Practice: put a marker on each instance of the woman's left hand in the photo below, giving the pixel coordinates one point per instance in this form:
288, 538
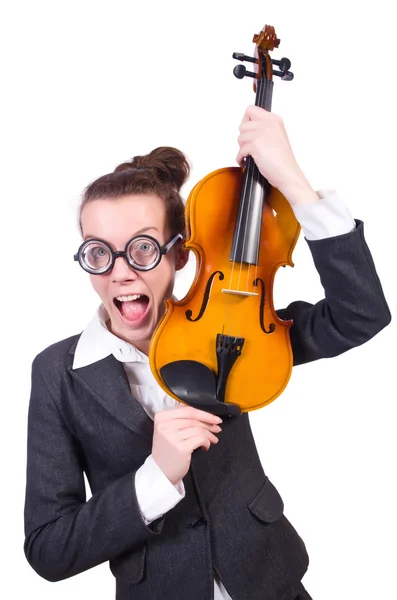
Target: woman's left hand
263, 136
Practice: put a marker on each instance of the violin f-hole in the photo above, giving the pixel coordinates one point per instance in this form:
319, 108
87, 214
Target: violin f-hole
206, 297
272, 326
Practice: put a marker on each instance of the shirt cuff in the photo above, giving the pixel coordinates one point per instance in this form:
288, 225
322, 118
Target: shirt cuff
155, 493
327, 217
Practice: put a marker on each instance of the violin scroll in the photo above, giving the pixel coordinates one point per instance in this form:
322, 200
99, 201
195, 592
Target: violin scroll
265, 42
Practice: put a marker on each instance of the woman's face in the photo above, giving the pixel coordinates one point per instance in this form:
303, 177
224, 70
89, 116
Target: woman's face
116, 221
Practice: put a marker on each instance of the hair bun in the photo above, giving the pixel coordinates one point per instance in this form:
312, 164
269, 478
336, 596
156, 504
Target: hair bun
169, 164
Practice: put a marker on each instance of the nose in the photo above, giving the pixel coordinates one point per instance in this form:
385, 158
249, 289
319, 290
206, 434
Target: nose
122, 271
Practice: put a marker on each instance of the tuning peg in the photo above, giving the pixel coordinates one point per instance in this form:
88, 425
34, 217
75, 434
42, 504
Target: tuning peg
244, 57
285, 75
284, 64
240, 72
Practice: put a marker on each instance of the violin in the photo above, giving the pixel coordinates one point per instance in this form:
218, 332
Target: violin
223, 348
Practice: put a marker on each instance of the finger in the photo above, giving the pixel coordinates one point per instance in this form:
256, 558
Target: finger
253, 113
190, 432
247, 138
194, 443
197, 442
242, 154
177, 424
187, 412
251, 126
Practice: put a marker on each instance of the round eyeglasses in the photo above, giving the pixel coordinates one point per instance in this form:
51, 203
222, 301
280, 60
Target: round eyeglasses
142, 252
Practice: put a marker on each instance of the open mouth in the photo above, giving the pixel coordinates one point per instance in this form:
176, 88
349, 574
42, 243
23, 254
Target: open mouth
132, 308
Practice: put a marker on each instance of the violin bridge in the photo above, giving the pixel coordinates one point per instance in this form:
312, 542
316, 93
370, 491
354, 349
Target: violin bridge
239, 292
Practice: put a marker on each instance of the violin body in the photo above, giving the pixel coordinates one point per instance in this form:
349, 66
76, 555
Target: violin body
264, 366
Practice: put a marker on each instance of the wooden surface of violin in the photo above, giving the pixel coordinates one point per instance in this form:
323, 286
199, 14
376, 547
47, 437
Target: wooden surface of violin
223, 348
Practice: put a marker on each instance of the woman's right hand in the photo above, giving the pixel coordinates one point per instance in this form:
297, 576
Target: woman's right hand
179, 431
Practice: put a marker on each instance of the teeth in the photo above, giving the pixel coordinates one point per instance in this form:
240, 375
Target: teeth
128, 298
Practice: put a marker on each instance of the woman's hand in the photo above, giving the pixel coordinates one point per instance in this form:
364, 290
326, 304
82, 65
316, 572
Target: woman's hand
263, 136
179, 431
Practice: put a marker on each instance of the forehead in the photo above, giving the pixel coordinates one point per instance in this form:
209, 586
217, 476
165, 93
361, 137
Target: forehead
117, 219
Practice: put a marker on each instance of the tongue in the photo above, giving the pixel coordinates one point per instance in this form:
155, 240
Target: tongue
134, 310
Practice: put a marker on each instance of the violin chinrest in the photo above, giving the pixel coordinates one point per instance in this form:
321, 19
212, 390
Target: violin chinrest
195, 384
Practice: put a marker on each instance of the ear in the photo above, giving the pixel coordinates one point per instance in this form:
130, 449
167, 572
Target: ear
182, 257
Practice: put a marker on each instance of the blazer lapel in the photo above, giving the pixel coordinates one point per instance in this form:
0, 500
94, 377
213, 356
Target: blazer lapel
107, 381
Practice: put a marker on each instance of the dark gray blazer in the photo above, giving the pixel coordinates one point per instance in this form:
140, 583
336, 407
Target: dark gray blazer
231, 519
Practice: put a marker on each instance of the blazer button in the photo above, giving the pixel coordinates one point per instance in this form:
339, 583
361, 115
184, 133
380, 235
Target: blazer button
202, 522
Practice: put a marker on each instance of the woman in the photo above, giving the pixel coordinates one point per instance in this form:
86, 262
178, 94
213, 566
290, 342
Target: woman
175, 523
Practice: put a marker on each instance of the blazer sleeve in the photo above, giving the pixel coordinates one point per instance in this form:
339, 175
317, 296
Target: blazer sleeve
354, 308
64, 533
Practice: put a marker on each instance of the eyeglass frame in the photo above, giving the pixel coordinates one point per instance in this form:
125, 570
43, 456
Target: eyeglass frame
162, 251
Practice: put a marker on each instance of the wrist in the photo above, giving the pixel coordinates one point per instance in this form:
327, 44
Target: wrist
172, 479
298, 191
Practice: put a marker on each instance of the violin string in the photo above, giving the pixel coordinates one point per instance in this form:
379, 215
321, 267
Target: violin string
244, 305
244, 191
227, 302
262, 102
249, 176
261, 98
249, 180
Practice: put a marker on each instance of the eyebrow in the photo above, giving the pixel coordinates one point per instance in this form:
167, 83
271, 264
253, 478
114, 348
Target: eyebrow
88, 236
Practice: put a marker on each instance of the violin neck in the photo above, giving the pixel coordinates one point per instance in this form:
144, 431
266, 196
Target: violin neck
246, 239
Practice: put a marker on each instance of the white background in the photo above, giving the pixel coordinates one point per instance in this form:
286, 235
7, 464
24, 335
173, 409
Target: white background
86, 85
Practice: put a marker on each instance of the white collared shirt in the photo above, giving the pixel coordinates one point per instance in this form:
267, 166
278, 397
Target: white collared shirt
326, 218
97, 342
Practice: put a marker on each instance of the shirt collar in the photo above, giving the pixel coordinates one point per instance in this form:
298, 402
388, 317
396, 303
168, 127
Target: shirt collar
97, 342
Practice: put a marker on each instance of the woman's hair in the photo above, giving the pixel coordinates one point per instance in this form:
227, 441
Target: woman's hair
162, 172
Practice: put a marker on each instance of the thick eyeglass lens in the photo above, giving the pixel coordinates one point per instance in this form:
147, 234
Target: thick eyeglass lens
143, 252
96, 256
